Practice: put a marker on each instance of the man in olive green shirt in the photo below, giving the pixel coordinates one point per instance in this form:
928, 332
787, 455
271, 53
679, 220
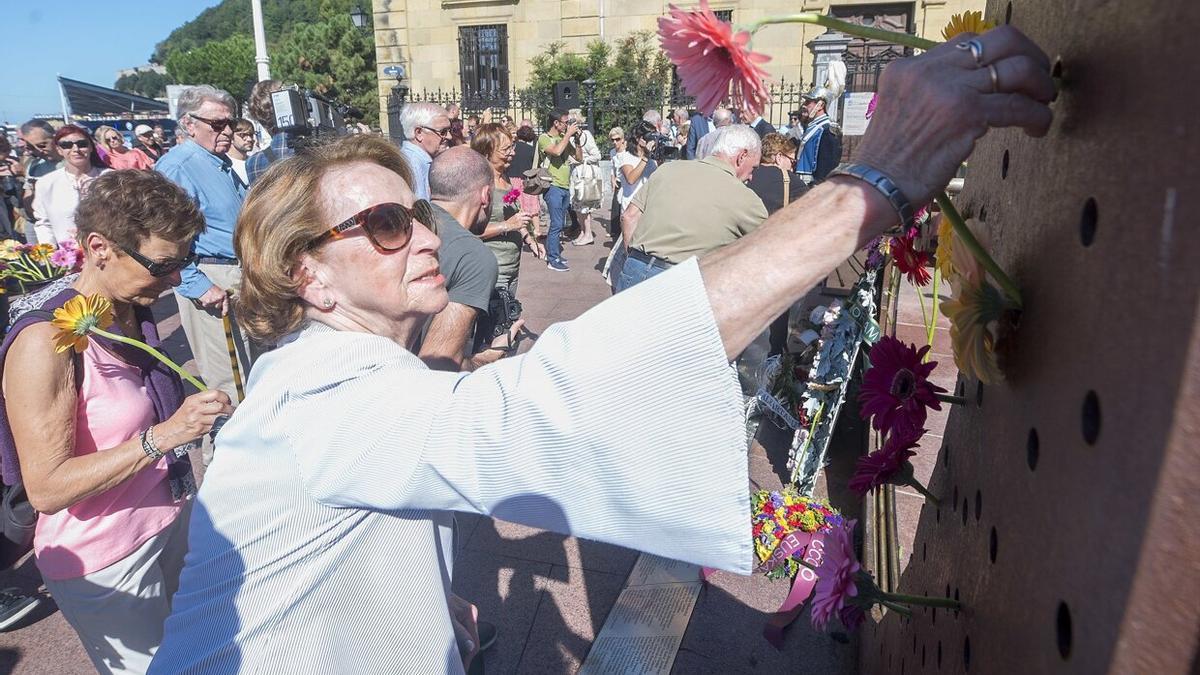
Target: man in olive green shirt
558, 145
687, 209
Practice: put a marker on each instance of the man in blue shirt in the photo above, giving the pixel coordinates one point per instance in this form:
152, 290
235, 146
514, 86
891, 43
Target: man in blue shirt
426, 133
200, 167
821, 144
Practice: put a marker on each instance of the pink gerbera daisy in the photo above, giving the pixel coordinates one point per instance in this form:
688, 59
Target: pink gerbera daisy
883, 465
709, 56
835, 577
896, 390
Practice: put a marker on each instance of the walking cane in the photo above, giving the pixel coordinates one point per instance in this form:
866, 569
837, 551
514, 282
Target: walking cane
233, 357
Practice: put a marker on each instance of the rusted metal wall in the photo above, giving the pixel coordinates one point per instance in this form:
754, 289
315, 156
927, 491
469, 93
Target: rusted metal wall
1070, 519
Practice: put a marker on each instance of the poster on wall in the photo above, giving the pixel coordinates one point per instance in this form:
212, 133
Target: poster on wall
854, 115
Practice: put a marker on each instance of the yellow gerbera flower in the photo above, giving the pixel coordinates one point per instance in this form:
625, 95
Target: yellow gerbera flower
975, 312
967, 22
945, 263
77, 317
41, 252
10, 249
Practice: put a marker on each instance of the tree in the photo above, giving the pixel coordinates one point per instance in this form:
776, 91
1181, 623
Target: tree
146, 83
632, 76
226, 64
334, 59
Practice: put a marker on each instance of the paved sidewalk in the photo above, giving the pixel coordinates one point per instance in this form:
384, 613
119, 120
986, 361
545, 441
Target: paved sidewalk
548, 594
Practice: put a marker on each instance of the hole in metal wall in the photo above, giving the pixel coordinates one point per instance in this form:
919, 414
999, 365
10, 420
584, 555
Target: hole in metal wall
1031, 449
956, 600
954, 502
914, 644
964, 511
1008, 13
937, 514
993, 544
979, 394
946, 456
1087, 221
922, 656
959, 387
1091, 418
939, 655
1004, 166
978, 504
1063, 630
967, 653
1057, 70
924, 551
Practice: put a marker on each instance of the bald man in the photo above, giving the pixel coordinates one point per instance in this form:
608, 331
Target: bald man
460, 182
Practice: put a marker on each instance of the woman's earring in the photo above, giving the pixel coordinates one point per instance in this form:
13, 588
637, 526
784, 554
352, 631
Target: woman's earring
327, 303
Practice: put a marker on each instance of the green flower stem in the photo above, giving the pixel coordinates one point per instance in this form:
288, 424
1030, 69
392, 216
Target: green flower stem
919, 600
924, 316
899, 609
962, 235
152, 352
937, 277
916, 485
856, 30
951, 399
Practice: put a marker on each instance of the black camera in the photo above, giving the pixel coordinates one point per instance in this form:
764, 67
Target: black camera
306, 113
663, 150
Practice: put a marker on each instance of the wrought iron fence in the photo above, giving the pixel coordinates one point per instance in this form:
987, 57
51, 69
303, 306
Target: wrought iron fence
619, 107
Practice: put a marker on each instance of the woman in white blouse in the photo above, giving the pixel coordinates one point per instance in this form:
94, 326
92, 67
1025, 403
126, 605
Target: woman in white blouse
59, 191
319, 539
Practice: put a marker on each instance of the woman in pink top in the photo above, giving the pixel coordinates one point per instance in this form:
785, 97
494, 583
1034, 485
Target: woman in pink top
112, 143
101, 437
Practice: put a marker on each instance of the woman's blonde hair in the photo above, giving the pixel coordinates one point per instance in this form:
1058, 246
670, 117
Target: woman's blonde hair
775, 144
487, 139
281, 218
101, 131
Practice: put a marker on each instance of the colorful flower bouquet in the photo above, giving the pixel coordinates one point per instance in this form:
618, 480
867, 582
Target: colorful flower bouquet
777, 514
35, 264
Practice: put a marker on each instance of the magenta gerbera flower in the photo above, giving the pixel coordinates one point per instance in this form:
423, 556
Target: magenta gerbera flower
709, 56
883, 465
896, 390
835, 577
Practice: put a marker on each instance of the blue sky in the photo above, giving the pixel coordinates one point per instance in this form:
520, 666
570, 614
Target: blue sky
80, 39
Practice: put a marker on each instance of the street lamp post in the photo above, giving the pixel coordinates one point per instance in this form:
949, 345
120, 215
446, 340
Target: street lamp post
589, 86
358, 17
260, 42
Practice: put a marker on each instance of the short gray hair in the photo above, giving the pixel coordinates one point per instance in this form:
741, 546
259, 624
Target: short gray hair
419, 114
722, 117
457, 173
730, 140
193, 97
653, 117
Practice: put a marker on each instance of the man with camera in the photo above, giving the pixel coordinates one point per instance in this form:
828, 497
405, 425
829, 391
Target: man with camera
556, 147
661, 230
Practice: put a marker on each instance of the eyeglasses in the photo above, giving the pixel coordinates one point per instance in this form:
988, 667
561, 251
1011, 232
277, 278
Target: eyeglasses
217, 125
160, 269
444, 133
67, 145
388, 225
110, 139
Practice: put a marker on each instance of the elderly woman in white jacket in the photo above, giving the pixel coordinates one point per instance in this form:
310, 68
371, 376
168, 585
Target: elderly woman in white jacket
317, 542
587, 182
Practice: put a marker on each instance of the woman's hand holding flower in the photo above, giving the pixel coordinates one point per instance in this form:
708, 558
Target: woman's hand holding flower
194, 418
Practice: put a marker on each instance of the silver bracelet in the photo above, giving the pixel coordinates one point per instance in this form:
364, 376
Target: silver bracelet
148, 445
881, 182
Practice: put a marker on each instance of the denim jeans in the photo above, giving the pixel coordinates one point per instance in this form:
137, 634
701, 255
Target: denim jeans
557, 201
634, 271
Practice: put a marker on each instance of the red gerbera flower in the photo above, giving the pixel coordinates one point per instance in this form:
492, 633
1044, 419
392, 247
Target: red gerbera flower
896, 389
883, 465
710, 56
910, 261
835, 577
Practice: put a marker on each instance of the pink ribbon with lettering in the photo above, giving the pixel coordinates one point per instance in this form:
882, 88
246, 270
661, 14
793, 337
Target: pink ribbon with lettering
811, 549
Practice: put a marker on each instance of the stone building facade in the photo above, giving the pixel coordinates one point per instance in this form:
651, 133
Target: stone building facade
472, 44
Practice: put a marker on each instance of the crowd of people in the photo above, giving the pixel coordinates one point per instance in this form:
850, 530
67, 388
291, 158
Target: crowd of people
369, 294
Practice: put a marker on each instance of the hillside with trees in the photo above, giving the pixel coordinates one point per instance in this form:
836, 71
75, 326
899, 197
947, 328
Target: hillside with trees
311, 43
